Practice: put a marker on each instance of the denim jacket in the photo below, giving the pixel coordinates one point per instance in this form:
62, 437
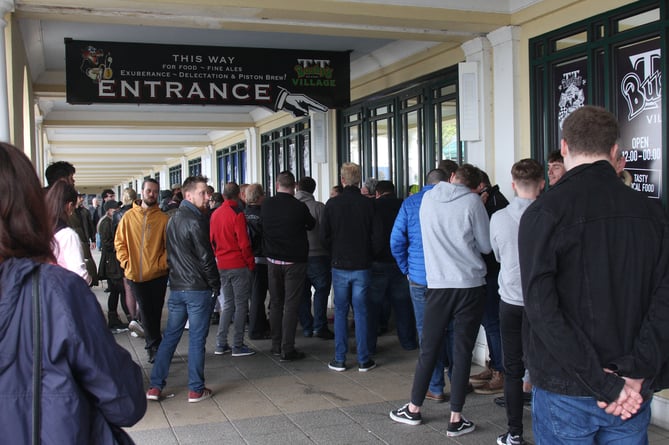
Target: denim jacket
594, 260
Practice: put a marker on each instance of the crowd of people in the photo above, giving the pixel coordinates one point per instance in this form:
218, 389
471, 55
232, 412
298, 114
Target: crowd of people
542, 274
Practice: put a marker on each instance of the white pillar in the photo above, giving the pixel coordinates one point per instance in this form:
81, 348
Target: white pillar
6, 6
479, 150
164, 178
506, 98
207, 163
254, 160
323, 152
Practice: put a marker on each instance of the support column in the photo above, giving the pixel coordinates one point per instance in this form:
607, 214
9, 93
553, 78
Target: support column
6, 6
505, 43
479, 147
254, 160
207, 164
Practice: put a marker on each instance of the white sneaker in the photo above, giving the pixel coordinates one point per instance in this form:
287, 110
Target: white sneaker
136, 328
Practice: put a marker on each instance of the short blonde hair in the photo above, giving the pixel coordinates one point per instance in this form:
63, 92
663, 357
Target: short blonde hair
129, 196
350, 174
253, 193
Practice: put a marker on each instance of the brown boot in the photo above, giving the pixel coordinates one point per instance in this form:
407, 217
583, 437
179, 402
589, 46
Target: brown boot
493, 386
482, 377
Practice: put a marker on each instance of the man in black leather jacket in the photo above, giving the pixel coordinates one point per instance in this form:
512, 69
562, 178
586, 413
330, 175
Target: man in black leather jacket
194, 286
594, 261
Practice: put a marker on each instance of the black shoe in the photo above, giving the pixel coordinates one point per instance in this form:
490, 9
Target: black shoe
509, 439
106, 291
367, 366
215, 318
152, 355
403, 415
336, 365
325, 334
308, 333
292, 356
455, 429
500, 401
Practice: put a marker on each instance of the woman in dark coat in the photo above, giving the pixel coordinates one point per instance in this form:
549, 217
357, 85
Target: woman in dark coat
90, 387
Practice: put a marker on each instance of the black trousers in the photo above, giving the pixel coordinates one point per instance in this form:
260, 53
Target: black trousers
286, 289
464, 307
116, 293
150, 296
511, 324
258, 323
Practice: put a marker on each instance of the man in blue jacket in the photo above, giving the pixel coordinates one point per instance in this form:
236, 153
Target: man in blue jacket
594, 256
406, 245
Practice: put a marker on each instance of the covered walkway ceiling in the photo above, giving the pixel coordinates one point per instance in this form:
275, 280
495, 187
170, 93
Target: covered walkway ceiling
112, 144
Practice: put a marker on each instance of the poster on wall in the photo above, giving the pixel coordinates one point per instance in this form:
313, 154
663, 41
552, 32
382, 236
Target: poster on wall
296, 81
569, 88
639, 81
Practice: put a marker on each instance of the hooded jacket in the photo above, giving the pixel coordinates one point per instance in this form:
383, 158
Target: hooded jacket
229, 237
313, 235
140, 243
406, 242
88, 380
504, 240
455, 228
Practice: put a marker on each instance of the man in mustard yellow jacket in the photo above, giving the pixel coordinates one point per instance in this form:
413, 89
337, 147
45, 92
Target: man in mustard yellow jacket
141, 250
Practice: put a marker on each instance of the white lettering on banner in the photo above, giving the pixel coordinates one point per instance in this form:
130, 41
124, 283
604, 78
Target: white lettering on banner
307, 62
643, 94
221, 59
185, 58
177, 90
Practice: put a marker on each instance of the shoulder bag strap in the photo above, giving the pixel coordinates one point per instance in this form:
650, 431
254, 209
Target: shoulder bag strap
37, 358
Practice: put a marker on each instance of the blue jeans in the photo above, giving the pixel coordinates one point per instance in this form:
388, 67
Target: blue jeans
437, 382
196, 307
389, 283
320, 277
558, 419
351, 288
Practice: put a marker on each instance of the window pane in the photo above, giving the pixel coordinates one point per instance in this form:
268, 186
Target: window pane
278, 158
354, 144
414, 147
381, 159
305, 152
292, 157
412, 101
449, 131
242, 166
573, 40
639, 20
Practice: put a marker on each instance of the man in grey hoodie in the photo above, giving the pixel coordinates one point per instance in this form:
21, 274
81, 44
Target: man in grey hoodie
319, 272
527, 181
455, 231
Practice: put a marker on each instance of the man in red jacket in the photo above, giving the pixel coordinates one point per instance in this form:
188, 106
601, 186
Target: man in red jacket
234, 257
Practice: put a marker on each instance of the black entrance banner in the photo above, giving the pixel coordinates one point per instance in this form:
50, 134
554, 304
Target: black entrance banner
296, 81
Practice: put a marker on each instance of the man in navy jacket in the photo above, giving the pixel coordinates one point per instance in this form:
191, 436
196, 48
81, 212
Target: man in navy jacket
594, 261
